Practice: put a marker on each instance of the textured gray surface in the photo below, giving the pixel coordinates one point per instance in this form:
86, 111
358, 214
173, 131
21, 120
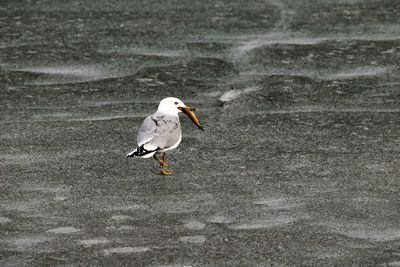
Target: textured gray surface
299, 163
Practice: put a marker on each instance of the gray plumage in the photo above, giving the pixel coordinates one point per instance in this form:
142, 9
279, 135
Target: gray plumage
159, 132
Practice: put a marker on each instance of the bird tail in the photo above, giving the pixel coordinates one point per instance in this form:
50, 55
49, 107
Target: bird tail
141, 152
132, 154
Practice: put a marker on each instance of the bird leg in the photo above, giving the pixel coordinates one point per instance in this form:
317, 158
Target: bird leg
163, 164
161, 161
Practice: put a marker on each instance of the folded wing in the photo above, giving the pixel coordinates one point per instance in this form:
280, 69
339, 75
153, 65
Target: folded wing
157, 131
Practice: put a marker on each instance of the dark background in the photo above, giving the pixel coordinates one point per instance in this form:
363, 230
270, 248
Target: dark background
298, 164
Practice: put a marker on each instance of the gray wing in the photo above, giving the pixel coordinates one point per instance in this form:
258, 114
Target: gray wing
159, 131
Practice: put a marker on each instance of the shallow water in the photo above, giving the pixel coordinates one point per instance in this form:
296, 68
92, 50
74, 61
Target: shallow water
298, 164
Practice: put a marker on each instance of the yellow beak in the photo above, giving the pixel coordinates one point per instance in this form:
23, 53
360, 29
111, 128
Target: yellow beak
190, 113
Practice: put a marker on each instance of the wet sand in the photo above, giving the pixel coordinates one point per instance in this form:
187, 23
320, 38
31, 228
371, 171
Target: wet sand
298, 164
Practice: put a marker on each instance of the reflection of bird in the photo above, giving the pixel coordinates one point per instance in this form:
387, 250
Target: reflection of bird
161, 131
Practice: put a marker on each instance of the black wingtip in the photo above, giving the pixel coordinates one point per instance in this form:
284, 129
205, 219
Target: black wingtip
131, 155
140, 152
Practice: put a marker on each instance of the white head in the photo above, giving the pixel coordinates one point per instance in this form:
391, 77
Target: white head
171, 105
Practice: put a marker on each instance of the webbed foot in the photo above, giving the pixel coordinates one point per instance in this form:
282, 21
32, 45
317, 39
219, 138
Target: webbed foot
165, 172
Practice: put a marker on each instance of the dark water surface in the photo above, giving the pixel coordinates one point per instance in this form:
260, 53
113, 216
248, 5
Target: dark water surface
299, 163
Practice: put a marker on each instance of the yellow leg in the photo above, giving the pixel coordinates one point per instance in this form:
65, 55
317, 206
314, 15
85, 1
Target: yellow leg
163, 164
161, 161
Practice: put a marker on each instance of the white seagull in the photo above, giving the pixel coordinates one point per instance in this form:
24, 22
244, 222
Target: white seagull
161, 131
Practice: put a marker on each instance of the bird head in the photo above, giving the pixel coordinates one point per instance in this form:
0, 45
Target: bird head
173, 106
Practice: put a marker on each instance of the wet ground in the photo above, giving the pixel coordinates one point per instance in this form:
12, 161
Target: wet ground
299, 163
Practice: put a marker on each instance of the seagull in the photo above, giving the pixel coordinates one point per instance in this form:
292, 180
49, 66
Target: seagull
161, 131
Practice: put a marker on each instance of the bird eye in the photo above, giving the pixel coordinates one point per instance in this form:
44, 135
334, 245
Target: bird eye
176, 103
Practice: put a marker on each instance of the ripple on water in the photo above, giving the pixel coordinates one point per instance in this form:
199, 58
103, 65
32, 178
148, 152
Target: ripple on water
121, 228
274, 39
127, 207
374, 234
268, 223
147, 51
377, 232
355, 72
60, 193
220, 219
4, 220
194, 225
249, 42
93, 242
27, 242
121, 217
31, 206
63, 230
195, 239
233, 94
62, 74
126, 250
